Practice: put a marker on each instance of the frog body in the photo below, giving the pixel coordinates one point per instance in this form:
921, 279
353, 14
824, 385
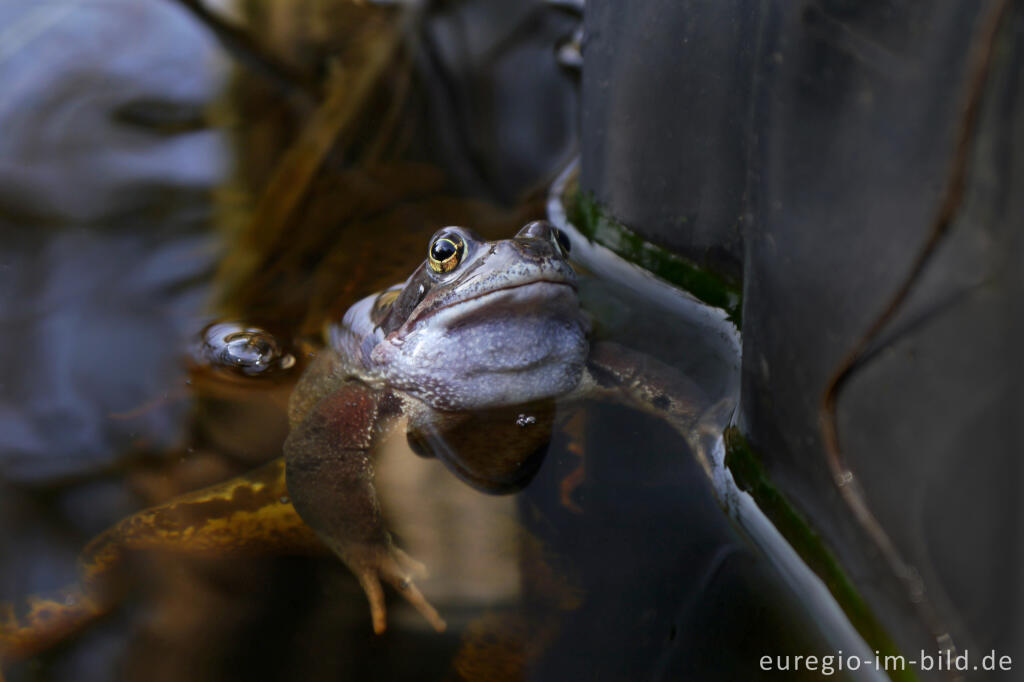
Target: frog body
480, 331
478, 327
471, 352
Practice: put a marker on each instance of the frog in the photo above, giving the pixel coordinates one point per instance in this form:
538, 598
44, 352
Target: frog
472, 353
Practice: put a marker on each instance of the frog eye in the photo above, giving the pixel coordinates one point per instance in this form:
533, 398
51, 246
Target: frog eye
562, 240
447, 249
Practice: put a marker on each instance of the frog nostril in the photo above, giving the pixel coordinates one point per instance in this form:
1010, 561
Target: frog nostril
538, 229
543, 232
532, 248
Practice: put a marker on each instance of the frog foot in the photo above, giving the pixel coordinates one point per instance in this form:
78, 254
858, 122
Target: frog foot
373, 563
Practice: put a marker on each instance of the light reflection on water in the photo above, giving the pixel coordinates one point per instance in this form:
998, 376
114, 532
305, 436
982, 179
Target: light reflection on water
106, 243
105, 261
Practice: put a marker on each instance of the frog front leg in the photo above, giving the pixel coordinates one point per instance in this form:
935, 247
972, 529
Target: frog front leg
652, 386
330, 481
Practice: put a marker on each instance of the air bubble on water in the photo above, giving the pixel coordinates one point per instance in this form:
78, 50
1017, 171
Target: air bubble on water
525, 420
243, 349
248, 349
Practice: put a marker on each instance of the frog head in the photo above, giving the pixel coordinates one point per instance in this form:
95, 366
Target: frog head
479, 324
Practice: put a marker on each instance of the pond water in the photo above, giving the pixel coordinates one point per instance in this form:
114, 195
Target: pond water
134, 211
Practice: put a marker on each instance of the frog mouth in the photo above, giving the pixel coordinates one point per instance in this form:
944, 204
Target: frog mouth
552, 297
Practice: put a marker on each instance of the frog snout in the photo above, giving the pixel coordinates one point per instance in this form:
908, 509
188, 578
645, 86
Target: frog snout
532, 249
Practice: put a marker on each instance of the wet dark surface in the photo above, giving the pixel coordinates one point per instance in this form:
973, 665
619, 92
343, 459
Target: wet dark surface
845, 213
672, 162
671, 590
859, 160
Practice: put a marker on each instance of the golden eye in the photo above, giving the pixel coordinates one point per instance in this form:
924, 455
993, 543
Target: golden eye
446, 252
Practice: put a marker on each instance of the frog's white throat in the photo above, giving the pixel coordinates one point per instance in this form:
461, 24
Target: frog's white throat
507, 347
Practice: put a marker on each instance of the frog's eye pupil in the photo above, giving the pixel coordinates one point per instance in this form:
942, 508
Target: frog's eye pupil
443, 250
446, 252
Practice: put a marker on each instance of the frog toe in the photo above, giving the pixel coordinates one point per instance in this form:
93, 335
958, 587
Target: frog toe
375, 594
417, 569
395, 567
407, 588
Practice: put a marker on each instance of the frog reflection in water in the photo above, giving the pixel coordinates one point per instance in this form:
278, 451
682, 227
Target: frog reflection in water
471, 350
